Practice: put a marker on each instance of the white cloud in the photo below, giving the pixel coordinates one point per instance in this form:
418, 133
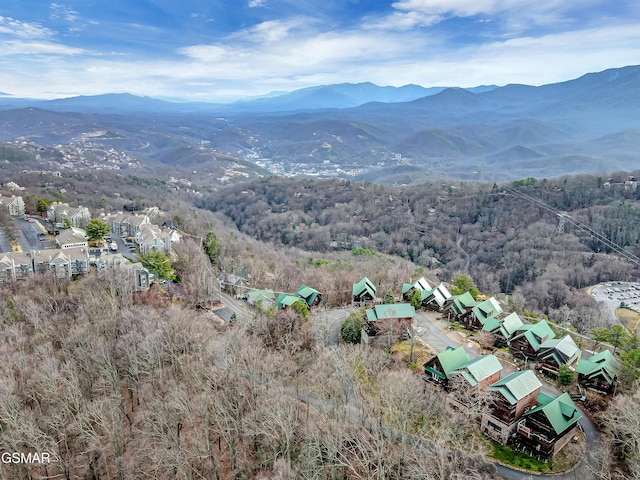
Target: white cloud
269, 31
292, 53
515, 15
403, 21
16, 28
13, 47
64, 12
205, 53
257, 3
463, 8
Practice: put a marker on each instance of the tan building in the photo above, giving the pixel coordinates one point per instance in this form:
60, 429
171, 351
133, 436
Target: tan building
62, 263
117, 264
59, 213
14, 203
72, 238
15, 266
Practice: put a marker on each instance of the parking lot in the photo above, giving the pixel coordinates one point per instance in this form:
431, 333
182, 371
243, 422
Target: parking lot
33, 234
5, 246
613, 294
127, 249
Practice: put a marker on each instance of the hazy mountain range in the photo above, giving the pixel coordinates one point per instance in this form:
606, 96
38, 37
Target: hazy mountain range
383, 134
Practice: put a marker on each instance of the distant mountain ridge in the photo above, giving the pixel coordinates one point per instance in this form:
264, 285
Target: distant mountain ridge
385, 134
338, 96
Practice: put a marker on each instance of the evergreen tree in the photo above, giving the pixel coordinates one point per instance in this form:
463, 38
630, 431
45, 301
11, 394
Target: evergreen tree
565, 375
158, 264
351, 329
389, 297
416, 299
97, 229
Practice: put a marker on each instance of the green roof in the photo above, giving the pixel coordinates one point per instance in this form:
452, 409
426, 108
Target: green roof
535, 333
562, 350
439, 294
561, 412
491, 324
420, 284
510, 324
285, 300
256, 295
487, 309
452, 358
364, 285
517, 385
479, 368
603, 363
307, 293
390, 310
462, 302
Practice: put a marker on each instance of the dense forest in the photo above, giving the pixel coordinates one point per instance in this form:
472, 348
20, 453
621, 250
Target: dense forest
119, 385
506, 243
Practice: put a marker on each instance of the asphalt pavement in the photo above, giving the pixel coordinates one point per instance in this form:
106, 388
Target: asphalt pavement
425, 325
123, 249
5, 245
326, 323
233, 305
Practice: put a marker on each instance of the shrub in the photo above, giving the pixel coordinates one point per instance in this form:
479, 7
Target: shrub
351, 329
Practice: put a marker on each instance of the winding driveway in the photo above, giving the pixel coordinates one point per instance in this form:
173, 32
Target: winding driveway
429, 331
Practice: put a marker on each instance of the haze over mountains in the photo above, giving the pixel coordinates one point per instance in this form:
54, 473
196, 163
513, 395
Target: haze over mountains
381, 134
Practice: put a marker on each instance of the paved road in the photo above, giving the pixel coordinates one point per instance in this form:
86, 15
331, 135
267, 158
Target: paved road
28, 238
238, 307
425, 326
5, 245
326, 324
123, 249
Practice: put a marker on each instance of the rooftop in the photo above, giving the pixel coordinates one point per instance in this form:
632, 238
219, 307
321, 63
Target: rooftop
479, 368
517, 385
561, 412
390, 310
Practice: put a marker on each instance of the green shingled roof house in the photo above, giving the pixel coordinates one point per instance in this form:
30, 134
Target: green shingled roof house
512, 396
599, 371
284, 300
408, 288
481, 372
435, 298
392, 318
502, 328
459, 305
528, 338
556, 352
265, 297
363, 292
439, 368
480, 313
467, 382
546, 428
309, 295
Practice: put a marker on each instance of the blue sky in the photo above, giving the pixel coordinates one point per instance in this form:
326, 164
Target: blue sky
224, 49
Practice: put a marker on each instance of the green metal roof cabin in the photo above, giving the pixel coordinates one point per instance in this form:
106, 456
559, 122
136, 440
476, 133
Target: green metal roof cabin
311, 296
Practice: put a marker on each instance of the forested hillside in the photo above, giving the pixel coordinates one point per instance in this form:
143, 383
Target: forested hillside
506, 243
116, 385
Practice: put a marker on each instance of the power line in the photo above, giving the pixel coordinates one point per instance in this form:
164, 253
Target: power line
565, 217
